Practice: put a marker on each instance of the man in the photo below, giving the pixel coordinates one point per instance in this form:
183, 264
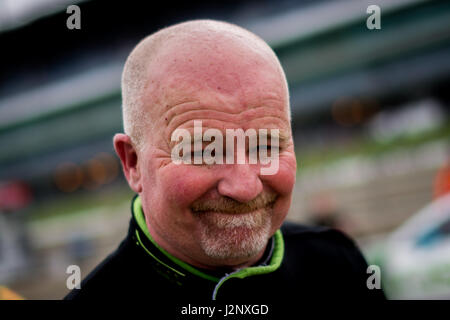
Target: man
202, 230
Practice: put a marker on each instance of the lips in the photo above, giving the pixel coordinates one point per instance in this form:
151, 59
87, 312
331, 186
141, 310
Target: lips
224, 220
227, 204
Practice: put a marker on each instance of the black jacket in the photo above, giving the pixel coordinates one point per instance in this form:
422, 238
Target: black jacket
318, 263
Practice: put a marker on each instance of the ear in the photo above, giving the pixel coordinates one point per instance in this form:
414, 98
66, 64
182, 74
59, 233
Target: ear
129, 159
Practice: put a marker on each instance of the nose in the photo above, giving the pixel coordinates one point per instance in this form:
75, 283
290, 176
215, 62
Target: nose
241, 182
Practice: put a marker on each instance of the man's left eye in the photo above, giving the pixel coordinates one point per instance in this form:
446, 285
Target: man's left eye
259, 147
267, 148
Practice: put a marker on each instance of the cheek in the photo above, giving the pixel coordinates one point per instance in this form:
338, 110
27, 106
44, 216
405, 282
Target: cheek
283, 181
283, 184
184, 184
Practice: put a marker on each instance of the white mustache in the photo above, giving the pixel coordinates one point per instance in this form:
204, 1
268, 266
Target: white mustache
228, 205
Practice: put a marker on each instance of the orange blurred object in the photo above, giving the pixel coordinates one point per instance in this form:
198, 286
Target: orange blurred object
442, 181
7, 294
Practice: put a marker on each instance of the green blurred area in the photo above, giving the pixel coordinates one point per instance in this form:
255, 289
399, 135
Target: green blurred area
370, 148
81, 203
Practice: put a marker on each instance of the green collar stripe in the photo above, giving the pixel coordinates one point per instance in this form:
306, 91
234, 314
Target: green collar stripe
140, 218
275, 262
154, 257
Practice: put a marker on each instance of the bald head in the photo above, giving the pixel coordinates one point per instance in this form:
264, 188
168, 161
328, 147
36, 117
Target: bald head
194, 55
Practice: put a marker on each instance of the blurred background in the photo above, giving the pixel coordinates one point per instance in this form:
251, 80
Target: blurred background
370, 118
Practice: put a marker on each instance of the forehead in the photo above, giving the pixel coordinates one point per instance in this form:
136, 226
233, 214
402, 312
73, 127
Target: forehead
226, 64
224, 78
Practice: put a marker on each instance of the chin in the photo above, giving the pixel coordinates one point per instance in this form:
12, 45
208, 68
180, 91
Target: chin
235, 244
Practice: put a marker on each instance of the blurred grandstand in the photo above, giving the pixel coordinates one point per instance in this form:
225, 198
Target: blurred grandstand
370, 118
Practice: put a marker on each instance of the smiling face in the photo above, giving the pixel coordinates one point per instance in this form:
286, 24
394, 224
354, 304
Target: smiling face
218, 215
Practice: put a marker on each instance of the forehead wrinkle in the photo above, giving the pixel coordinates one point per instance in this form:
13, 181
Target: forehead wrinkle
219, 102
174, 113
173, 119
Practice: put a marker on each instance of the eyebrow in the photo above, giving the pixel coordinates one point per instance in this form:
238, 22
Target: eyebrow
282, 135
